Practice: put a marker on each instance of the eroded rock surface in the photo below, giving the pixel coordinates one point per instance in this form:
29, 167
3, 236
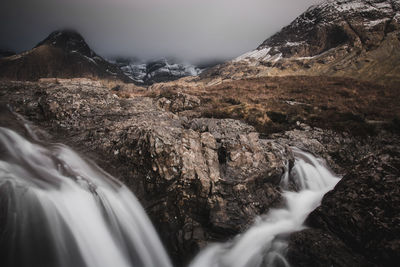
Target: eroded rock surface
199, 179
358, 220
206, 179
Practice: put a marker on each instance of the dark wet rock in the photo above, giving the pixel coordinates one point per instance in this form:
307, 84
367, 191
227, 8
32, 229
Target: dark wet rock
364, 208
360, 217
313, 247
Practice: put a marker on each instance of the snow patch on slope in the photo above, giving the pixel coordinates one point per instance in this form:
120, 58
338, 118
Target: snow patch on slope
157, 70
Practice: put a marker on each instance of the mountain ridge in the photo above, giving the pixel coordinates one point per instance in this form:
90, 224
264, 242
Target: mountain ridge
155, 71
350, 38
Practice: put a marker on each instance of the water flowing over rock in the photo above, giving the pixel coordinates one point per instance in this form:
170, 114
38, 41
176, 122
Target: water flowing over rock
205, 180
264, 243
200, 179
364, 208
57, 209
358, 220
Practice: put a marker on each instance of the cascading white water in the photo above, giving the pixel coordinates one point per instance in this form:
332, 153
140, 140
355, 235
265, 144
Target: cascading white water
57, 209
264, 243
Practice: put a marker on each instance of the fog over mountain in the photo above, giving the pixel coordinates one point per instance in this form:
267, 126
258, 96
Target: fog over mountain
191, 30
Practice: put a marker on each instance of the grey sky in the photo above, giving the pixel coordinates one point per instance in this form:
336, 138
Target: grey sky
193, 30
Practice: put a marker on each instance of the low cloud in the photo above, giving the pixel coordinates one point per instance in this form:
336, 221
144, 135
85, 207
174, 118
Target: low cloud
191, 30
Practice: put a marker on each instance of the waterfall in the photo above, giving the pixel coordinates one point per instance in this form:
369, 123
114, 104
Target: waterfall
60, 210
264, 243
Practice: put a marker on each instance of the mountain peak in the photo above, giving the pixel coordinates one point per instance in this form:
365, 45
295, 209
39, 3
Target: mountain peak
69, 40
63, 54
352, 38
330, 24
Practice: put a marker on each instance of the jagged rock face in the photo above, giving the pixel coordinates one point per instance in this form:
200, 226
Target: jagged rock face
157, 71
63, 54
351, 38
358, 220
203, 179
200, 179
333, 23
313, 247
364, 208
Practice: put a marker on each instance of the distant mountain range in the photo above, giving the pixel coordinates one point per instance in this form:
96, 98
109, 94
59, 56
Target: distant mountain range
161, 70
349, 38
65, 54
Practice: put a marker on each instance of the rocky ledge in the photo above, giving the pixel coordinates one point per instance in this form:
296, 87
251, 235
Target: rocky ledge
206, 179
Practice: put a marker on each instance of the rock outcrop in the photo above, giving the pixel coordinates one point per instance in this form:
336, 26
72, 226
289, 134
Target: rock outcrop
364, 208
200, 179
206, 179
359, 219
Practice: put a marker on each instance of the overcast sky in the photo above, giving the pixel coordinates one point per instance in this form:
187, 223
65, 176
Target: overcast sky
192, 30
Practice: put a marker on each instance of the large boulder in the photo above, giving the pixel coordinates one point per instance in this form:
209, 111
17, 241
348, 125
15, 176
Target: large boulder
358, 222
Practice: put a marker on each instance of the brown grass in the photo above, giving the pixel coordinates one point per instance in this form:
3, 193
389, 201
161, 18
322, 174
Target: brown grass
274, 104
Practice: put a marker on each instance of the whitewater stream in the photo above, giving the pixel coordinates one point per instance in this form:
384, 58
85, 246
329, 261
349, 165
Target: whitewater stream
265, 242
60, 210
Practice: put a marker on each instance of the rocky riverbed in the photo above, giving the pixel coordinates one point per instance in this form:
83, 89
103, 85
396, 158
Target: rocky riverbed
204, 179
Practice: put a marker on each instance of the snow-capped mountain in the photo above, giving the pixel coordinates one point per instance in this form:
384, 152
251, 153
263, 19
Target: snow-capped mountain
63, 54
328, 25
352, 38
156, 71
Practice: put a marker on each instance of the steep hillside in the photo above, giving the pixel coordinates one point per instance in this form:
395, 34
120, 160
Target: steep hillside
352, 38
6, 53
63, 54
